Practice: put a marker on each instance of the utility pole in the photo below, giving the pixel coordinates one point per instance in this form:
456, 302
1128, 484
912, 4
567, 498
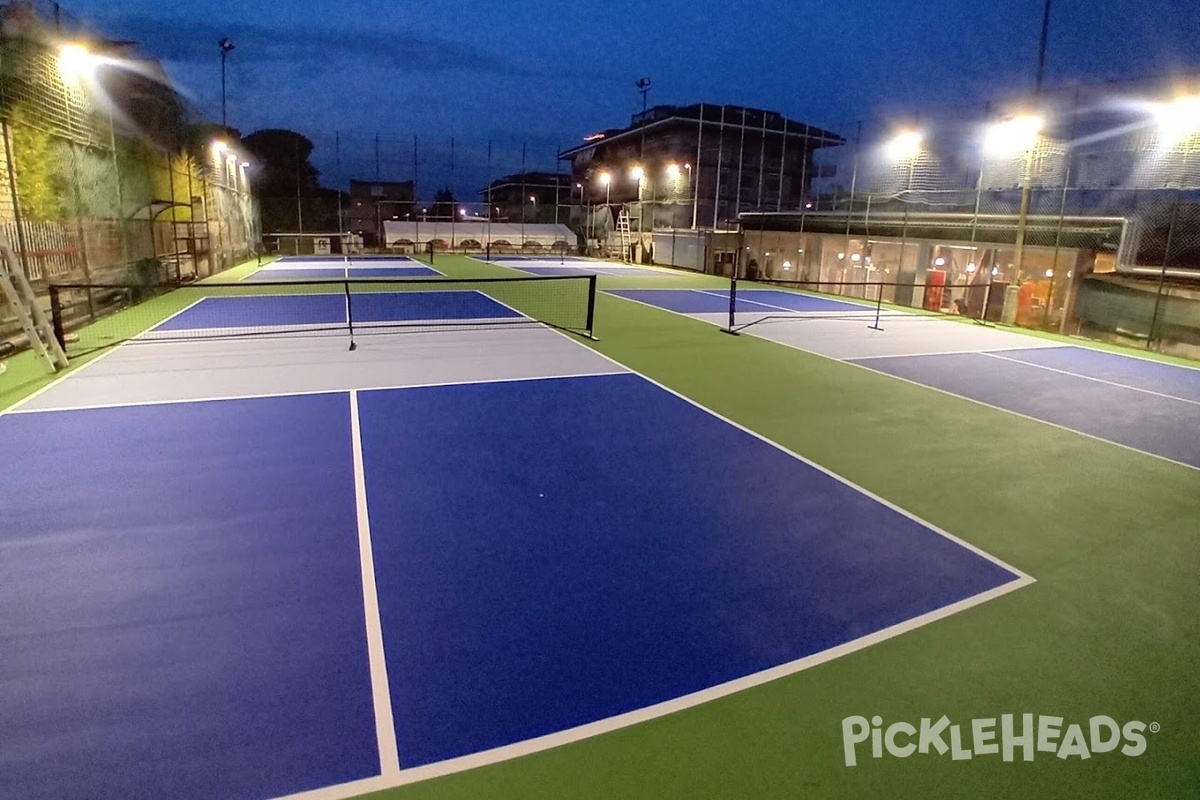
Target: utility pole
1041, 56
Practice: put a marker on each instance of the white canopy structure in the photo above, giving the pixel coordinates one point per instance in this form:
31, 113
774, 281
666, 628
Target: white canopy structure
477, 235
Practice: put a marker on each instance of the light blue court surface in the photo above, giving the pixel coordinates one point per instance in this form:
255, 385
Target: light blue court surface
358, 258
547, 553
330, 309
749, 301
552, 265
340, 273
1146, 405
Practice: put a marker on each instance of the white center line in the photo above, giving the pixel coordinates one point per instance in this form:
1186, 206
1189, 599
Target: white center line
385, 726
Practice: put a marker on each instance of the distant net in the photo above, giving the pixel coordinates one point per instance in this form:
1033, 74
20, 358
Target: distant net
876, 302
93, 316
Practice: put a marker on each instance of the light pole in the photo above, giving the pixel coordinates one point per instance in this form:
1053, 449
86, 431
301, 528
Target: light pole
1178, 130
606, 179
227, 47
694, 192
639, 174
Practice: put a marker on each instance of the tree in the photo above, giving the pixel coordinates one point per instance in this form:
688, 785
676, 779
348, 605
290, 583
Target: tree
281, 166
444, 203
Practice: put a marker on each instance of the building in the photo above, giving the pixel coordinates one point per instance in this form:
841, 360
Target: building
699, 166
539, 197
373, 202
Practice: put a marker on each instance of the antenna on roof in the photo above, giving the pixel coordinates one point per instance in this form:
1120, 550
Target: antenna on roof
643, 86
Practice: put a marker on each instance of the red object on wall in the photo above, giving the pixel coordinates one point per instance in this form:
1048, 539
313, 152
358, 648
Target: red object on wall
935, 284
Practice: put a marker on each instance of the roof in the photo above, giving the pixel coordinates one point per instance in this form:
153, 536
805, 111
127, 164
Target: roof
755, 119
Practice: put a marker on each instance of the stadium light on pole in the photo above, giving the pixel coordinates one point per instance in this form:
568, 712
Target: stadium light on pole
1178, 128
227, 47
1011, 137
606, 179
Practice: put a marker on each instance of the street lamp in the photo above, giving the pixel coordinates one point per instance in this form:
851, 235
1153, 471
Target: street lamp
606, 179
227, 47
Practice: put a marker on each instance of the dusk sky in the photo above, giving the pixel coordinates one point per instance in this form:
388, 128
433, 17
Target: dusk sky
548, 73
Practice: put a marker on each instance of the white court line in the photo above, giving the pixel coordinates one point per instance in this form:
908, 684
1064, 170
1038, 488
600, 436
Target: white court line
385, 724
14, 408
927, 386
312, 392
1091, 378
560, 738
1047, 346
592, 729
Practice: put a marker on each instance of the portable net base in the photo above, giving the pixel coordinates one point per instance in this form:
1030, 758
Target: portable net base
88, 317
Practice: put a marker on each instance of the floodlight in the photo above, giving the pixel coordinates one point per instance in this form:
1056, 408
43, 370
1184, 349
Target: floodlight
1177, 120
637, 173
905, 145
1013, 136
605, 178
74, 61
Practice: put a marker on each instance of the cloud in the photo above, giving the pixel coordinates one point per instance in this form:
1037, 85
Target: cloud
195, 41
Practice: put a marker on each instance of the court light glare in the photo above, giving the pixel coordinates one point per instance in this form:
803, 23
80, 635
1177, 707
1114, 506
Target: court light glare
75, 61
637, 173
971, 266
219, 147
1177, 120
672, 171
905, 145
1013, 136
1049, 273
605, 178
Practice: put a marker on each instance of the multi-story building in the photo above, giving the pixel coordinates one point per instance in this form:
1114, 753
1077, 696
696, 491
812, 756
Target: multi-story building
530, 197
699, 165
373, 202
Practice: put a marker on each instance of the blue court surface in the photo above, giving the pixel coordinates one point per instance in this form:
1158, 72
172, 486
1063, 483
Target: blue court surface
1149, 406
752, 301
552, 265
294, 310
188, 617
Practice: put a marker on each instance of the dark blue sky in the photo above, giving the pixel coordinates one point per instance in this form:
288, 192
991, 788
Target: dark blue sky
549, 72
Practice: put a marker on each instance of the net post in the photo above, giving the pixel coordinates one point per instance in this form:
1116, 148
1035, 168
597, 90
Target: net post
732, 306
56, 316
591, 306
488, 257
349, 315
878, 309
